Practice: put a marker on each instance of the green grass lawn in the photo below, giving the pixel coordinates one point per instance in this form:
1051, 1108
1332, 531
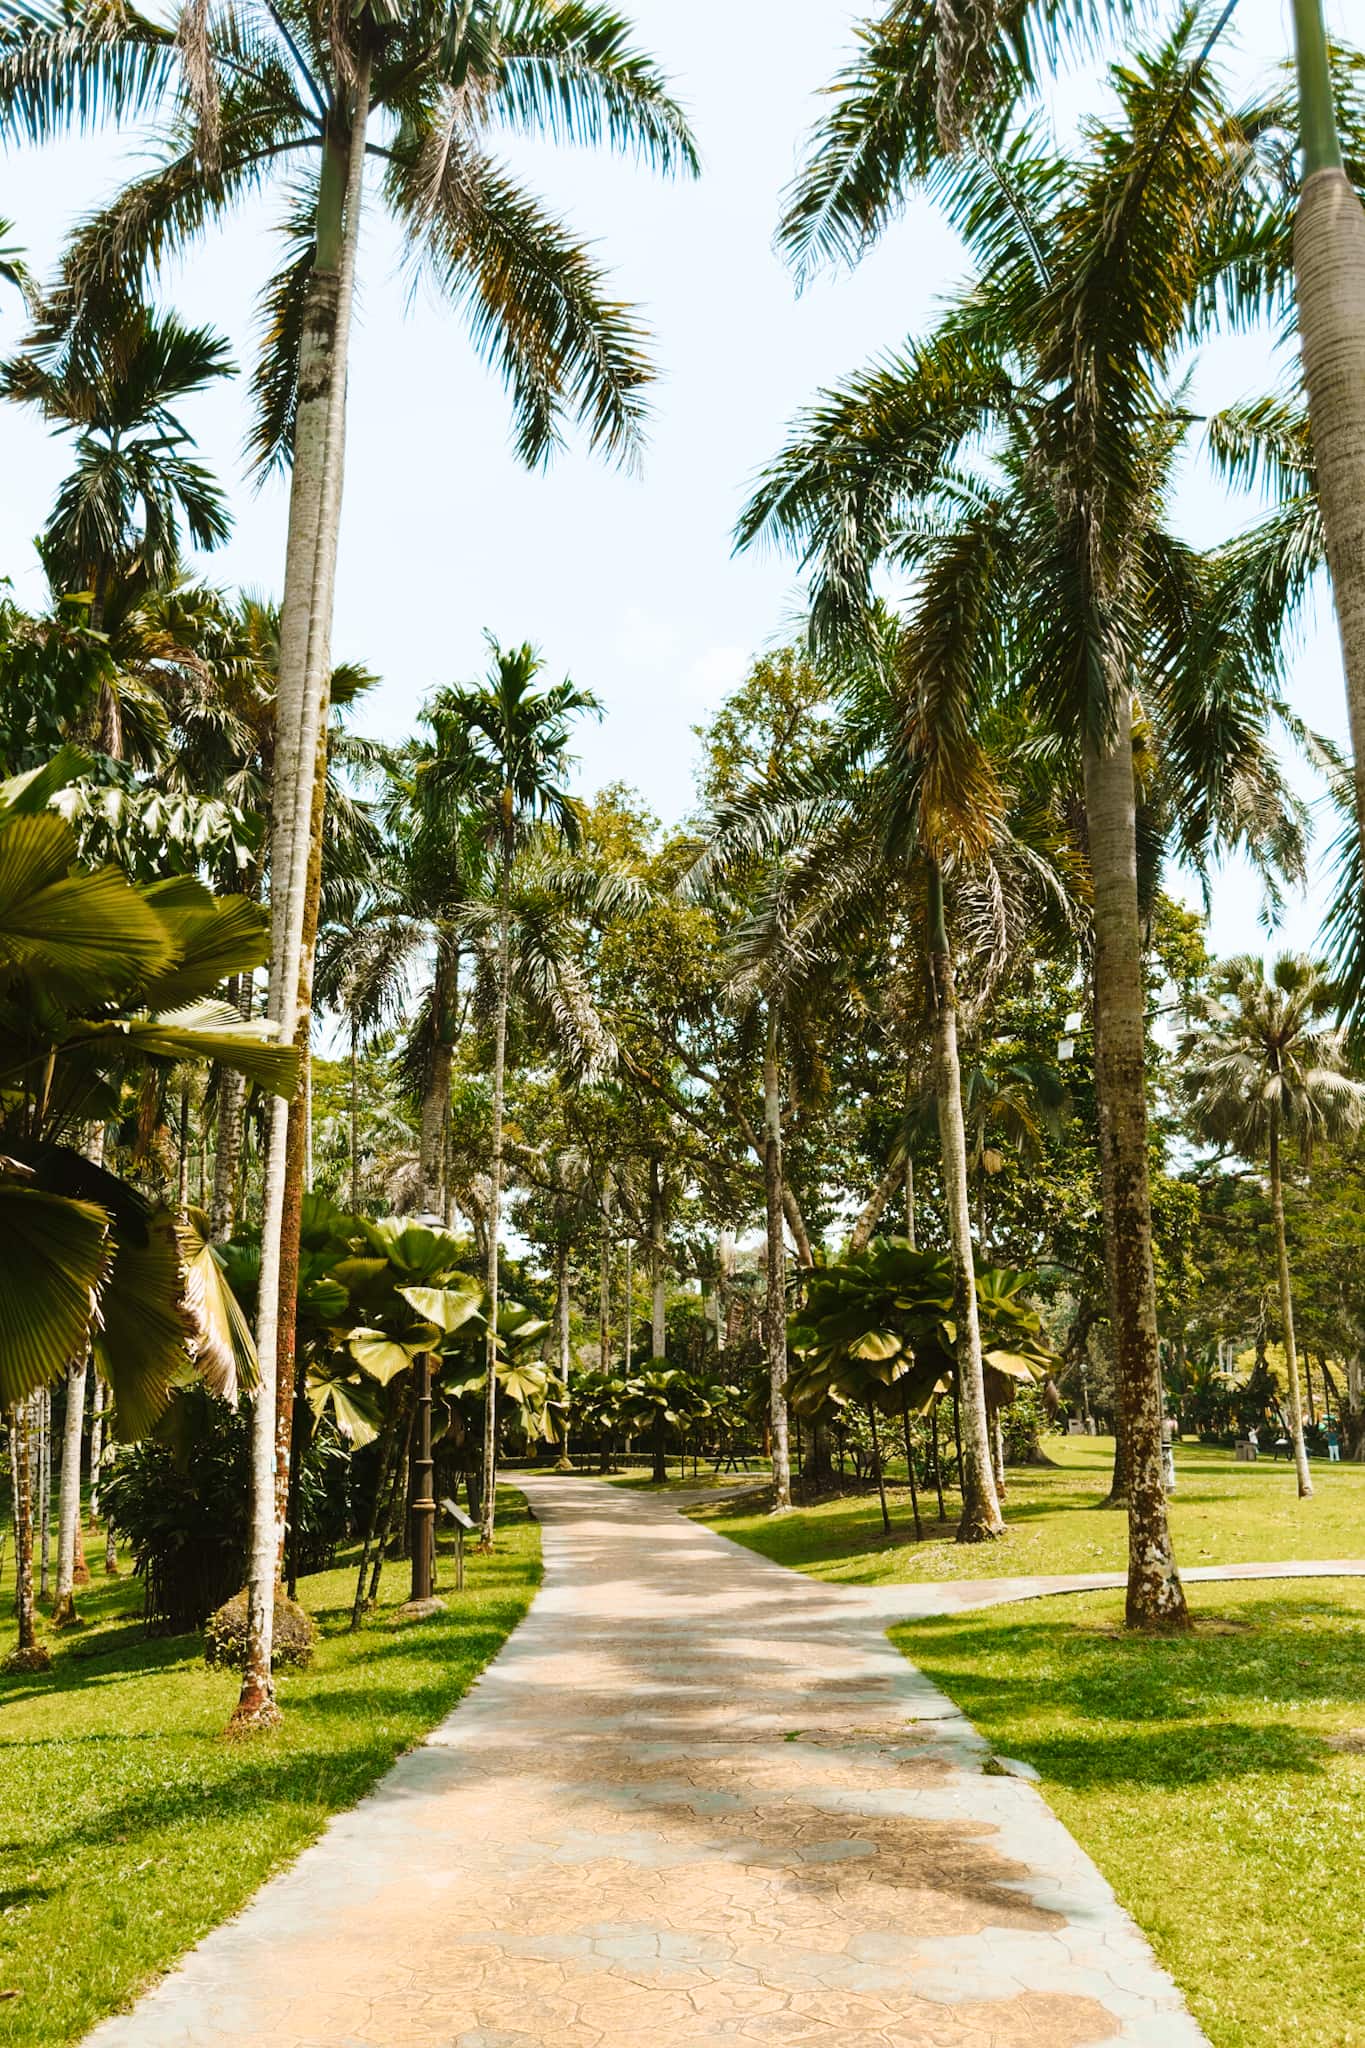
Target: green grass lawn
1222, 1513
1197, 1775
638, 1479
128, 1827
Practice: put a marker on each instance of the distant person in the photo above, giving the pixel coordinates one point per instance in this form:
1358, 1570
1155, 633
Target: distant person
1255, 1442
1333, 1445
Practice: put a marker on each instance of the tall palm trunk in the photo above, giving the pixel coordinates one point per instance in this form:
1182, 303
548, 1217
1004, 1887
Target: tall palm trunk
981, 1520
629, 1348
436, 1094
301, 716
490, 1407
1329, 267
96, 1449
1291, 1355
604, 1273
775, 1305
1156, 1599
298, 1169
562, 1313
354, 1122
30, 1655
69, 1553
227, 1151
658, 1320
44, 1490
69, 1498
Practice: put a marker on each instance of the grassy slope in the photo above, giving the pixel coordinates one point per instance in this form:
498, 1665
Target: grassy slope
1223, 1513
131, 1828
1195, 1774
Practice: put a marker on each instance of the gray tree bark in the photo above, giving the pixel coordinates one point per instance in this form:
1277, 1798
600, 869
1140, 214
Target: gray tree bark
1155, 1598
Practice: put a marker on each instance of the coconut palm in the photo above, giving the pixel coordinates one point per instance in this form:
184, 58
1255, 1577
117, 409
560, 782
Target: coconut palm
929, 78
304, 94
1265, 1064
1089, 269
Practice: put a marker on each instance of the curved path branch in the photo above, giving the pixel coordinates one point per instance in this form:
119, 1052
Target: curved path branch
697, 1800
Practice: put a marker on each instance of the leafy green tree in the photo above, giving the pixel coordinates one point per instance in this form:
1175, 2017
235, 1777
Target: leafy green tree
1266, 1063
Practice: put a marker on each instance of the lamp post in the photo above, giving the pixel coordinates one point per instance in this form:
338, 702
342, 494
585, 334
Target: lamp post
423, 1501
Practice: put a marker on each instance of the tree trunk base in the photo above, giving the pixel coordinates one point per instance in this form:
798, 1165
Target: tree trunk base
978, 1528
28, 1662
64, 1613
259, 1718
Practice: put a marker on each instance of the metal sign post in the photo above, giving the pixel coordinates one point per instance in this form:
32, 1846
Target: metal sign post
464, 1526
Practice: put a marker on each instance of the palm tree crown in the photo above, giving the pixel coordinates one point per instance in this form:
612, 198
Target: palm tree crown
250, 92
116, 385
1267, 1053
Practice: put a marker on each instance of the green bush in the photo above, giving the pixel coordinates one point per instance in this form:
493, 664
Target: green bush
225, 1634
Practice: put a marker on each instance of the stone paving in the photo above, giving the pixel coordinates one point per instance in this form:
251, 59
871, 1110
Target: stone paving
696, 1800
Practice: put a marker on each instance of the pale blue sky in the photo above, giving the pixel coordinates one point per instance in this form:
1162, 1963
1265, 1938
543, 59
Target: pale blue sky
626, 583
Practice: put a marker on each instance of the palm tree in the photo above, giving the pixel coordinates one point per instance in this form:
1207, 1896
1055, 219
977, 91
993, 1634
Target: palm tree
929, 79
1266, 1063
896, 804
506, 742
1089, 273
133, 491
243, 98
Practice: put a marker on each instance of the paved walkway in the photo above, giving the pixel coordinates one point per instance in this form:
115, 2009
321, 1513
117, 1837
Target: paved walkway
696, 1800
891, 1604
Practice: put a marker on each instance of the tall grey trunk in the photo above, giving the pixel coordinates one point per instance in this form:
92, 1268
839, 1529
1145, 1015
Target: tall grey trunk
69, 1497
436, 1095
30, 1655
1156, 1599
354, 1133
490, 1410
301, 707
876, 1206
604, 1273
1329, 266
1291, 1354
910, 1201
227, 1156
45, 1490
563, 1362
658, 1320
725, 1266
96, 1449
630, 1304
775, 1305
981, 1520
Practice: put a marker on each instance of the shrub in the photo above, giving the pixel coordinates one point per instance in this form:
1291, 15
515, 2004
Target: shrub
225, 1634
180, 1497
